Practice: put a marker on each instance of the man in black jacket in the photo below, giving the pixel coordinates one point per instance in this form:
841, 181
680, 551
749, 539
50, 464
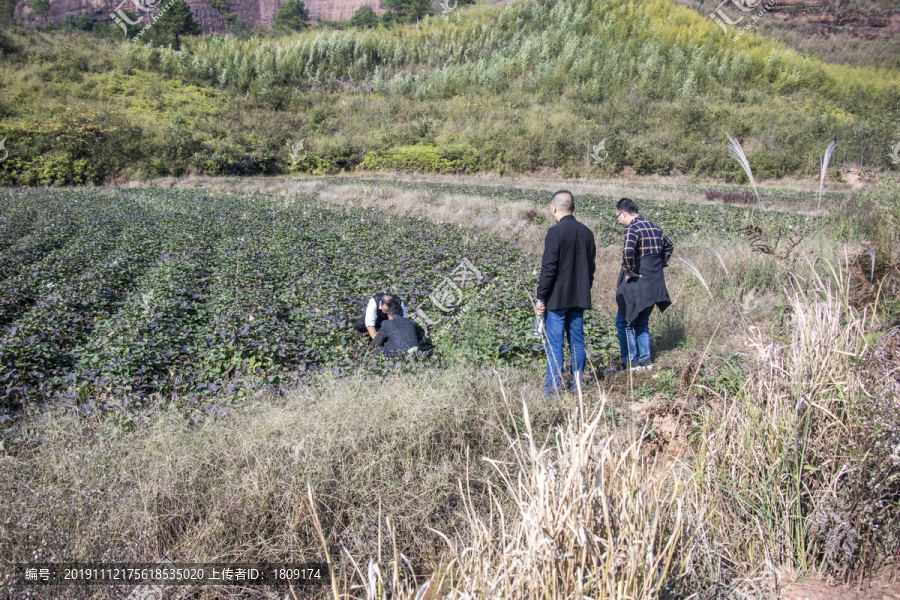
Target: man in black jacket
564, 290
397, 334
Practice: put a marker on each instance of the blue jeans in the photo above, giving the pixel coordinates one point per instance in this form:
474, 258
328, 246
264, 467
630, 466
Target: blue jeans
634, 337
556, 324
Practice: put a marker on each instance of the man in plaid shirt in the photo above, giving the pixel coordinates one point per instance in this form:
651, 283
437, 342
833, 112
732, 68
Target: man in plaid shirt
641, 286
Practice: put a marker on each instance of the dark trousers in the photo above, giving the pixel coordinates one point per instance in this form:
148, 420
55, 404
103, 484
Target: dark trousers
361, 323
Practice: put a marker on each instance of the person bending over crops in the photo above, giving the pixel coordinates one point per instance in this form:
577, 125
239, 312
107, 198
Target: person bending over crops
398, 335
376, 313
641, 284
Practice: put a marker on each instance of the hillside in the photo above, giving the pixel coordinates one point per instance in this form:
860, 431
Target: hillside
528, 87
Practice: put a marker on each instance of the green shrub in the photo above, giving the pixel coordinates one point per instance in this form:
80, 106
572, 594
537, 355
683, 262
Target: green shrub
7, 46
364, 18
7, 7
176, 21
471, 340
406, 11
767, 165
77, 23
48, 169
240, 30
423, 159
70, 147
237, 155
648, 158
267, 93
224, 11
315, 165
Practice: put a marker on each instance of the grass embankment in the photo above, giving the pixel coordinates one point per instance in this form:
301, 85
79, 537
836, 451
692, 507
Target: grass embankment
764, 448
527, 88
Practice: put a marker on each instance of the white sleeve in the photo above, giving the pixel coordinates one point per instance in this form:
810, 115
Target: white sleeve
403, 306
371, 313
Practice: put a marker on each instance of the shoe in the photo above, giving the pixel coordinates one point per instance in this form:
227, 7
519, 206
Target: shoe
555, 392
636, 368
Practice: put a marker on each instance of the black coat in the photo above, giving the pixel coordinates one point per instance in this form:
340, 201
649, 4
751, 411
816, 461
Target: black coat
397, 335
645, 291
568, 265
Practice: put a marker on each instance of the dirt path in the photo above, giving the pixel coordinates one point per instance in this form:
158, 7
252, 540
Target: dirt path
818, 590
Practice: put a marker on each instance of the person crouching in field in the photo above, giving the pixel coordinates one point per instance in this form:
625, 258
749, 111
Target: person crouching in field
398, 334
641, 285
376, 313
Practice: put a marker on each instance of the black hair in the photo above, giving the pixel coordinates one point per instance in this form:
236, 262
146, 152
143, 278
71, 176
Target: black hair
395, 310
564, 201
627, 205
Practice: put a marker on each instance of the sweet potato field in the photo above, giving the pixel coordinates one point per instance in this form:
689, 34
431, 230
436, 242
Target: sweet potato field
123, 294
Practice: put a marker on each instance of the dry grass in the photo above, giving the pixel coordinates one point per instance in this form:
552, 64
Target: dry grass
595, 518
234, 489
778, 449
654, 187
484, 216
719, 288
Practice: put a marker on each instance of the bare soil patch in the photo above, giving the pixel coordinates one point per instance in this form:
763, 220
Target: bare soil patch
878, 589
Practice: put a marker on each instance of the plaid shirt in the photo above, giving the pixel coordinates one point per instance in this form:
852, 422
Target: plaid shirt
643, 238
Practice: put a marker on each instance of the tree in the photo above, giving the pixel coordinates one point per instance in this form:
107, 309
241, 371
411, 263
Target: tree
172, 21
6, 45
364, 18
240, 30
40, 8
77, 22
126, 19
292, 16
7, 7
406, 11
